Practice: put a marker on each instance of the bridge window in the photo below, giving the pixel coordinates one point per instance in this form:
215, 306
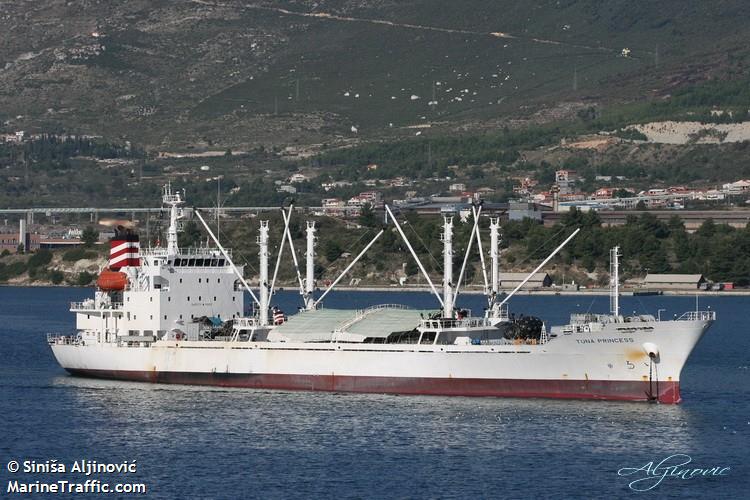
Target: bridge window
221, 262
191, 262
199, 262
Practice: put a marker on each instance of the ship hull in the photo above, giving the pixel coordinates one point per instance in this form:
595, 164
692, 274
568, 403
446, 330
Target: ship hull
616, 390
610, 364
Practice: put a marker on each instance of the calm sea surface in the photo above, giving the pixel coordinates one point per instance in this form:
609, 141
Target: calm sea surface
194, 442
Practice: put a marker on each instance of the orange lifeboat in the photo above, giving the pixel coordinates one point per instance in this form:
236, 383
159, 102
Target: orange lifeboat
111, 281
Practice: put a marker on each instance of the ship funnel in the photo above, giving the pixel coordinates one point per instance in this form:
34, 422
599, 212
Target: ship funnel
651, 349
124, 249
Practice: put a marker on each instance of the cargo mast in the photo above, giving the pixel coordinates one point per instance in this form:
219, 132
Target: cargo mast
310, 267
614, 281
263, 274
447, 267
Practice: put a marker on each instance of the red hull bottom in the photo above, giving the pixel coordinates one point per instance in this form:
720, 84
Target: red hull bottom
669, 392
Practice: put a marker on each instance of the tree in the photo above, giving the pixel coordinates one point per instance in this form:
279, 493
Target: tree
411, 268
84, 278
190, 235
332, 250
367, 216
89, 237
40, 258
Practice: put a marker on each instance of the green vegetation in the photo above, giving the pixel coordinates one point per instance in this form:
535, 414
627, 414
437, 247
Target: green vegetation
719, 252
85, 278
630, 134
56, 277
77, 254
89, 237
12, 270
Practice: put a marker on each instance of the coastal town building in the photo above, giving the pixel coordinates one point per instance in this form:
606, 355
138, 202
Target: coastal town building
673, 281
512, 280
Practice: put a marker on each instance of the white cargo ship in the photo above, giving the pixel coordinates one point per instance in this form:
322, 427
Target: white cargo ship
173, 315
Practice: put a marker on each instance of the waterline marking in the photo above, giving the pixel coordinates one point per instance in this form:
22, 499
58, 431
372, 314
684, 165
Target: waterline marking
652, 474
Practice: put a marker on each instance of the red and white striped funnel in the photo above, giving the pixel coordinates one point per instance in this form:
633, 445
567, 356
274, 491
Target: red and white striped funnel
124, 250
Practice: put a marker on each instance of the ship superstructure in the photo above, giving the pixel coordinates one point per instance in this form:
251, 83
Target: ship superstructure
149, 294
175, 315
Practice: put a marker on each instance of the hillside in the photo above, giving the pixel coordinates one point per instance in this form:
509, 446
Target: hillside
211, 75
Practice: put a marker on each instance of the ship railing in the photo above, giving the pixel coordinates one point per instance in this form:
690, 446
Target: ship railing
245, 322
698, 316
443, 323
90, 305
184, 252
501, 311
60, 339
153, 251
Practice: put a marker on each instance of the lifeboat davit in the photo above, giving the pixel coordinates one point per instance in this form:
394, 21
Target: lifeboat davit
110, 281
